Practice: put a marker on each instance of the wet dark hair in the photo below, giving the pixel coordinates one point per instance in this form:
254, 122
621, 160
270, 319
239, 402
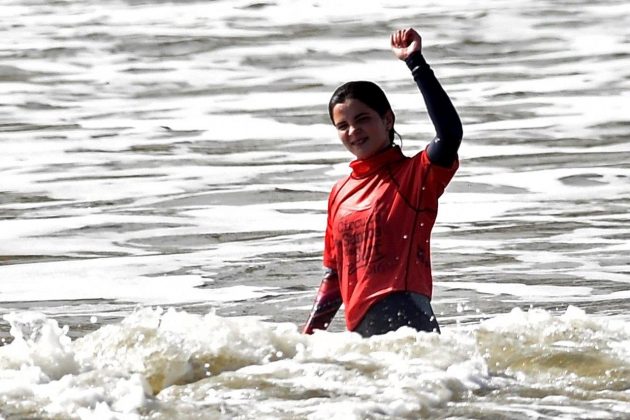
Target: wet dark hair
367, 92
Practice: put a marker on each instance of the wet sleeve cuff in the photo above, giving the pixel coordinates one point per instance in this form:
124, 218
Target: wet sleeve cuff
416, 63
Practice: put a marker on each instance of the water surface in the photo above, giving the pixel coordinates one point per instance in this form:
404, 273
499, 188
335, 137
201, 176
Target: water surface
164, 174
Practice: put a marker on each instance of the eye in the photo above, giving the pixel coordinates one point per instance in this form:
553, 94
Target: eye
342, 126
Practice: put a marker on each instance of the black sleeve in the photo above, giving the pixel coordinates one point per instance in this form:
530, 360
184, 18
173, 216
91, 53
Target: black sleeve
442, 150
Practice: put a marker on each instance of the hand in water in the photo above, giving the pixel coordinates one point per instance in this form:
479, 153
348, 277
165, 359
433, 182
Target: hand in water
404, 42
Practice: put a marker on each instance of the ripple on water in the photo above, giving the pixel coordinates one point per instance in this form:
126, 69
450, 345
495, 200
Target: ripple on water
179, 153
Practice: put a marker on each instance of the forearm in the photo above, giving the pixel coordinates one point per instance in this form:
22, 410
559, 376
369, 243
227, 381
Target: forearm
443, 149
327, 303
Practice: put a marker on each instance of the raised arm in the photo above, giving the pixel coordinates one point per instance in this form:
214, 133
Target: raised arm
407, 46
327, 303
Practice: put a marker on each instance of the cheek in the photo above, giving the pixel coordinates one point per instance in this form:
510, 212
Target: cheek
378, 130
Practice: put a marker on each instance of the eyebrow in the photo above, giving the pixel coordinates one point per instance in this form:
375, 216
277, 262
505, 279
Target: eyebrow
356, 117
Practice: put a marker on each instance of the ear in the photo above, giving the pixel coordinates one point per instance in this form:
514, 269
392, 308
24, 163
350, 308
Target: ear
389, 119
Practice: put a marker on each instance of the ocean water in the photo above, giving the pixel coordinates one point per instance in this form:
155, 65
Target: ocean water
164, 170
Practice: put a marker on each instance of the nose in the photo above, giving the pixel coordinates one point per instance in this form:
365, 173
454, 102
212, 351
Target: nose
352, 129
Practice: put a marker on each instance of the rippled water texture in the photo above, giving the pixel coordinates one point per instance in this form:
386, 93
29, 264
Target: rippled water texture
164, 170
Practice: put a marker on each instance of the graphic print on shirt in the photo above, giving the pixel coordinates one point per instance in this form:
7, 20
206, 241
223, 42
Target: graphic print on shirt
360, 235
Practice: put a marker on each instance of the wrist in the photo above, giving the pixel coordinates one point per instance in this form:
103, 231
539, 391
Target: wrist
415, 61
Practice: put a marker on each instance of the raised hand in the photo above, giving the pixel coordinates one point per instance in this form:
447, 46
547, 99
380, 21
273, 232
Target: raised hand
404, 42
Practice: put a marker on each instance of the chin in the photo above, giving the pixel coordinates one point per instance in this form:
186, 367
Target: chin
362, 155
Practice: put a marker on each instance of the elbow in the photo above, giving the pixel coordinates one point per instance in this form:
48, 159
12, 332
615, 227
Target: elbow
452, 137
455, 135
451, 132
460, 133
457, 132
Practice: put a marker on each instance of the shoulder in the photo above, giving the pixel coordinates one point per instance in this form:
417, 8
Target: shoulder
422, 159
337, 187
415, 162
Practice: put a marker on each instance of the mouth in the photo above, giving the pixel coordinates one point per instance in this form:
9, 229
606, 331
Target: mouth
359, 142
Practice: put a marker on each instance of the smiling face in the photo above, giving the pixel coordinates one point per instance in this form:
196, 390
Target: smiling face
361, 129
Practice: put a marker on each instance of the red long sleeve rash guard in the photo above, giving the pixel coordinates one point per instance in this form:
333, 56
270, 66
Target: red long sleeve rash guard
362, 247
379, 225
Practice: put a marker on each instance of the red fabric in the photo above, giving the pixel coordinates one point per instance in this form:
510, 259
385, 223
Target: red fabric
379, 224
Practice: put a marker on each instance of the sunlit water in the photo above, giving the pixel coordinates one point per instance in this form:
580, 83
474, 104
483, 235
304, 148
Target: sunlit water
164, 175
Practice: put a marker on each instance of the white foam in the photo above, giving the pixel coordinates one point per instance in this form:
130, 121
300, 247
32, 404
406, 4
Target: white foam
116, 370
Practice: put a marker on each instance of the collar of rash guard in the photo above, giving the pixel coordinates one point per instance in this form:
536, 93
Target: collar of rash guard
365, 167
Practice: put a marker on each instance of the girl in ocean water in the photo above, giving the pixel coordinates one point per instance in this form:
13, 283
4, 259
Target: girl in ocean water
380, 217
